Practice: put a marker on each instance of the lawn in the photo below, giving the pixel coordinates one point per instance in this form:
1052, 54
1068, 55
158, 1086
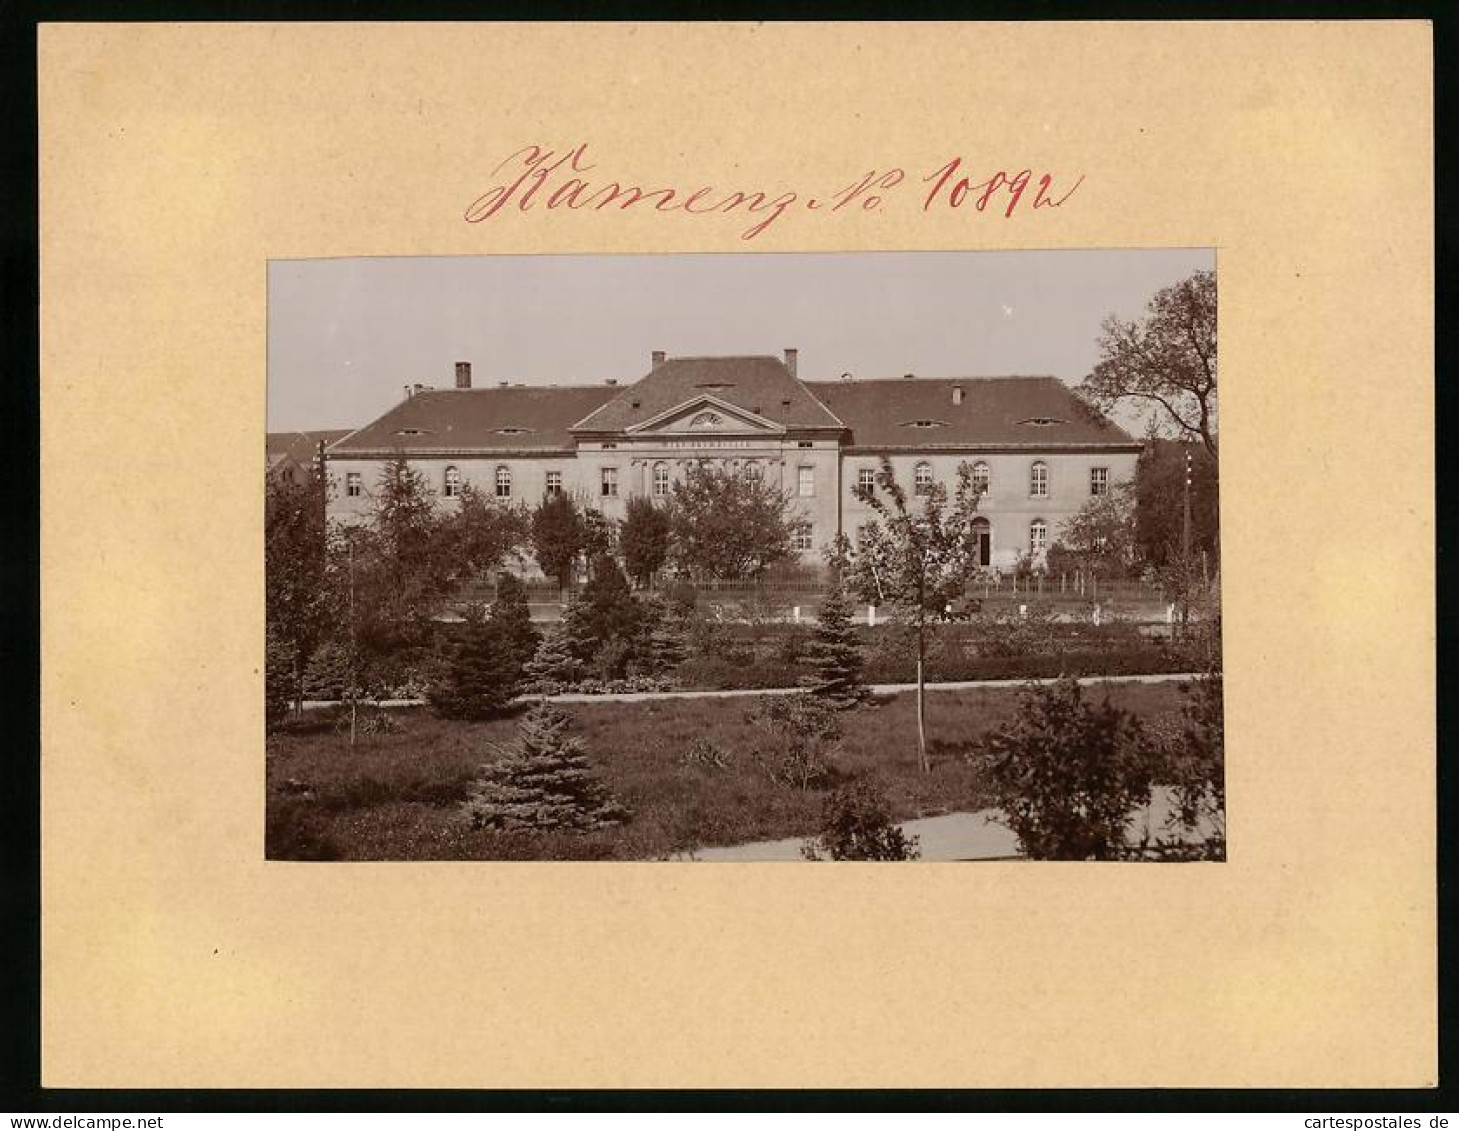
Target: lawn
396, 796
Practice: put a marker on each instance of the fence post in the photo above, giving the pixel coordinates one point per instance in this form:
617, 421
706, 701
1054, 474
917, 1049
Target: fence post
871, 616
795, 613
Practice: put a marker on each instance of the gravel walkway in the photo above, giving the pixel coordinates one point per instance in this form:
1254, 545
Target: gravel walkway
877, 688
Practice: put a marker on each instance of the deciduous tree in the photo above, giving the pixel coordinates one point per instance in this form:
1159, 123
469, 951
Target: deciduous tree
917, 560
1164, 361
726, 524
558, 537
644, 539
476, 536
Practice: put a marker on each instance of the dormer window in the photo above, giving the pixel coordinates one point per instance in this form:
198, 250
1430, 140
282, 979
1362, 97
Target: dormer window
412, 432
924, 424
513, 430
1043, 421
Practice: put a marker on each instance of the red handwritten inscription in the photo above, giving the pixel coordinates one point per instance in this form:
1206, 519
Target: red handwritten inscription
1000, 182
536, 176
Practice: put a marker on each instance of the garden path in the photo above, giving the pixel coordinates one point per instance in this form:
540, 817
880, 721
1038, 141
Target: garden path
952, 836
877, 689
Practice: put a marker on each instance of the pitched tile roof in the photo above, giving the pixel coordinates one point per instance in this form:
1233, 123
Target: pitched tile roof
517, 418
916, 412
301, 447
762, 385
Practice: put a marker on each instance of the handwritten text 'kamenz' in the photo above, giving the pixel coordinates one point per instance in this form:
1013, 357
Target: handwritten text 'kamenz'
534, 176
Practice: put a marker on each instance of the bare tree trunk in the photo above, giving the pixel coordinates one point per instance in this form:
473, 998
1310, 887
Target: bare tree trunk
922, 760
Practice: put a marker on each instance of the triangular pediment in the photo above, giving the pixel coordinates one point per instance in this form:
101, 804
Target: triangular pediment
706, 416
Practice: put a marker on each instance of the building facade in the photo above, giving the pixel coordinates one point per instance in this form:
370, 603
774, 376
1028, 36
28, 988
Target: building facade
1040, 451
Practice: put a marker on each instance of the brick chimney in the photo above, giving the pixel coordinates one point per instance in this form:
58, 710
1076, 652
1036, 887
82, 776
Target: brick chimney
463, 375
790, 359
656, 358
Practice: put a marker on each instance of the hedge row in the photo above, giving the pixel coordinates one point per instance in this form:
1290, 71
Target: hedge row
730, 675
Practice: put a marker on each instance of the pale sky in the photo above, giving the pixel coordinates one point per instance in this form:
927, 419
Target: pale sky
346, 334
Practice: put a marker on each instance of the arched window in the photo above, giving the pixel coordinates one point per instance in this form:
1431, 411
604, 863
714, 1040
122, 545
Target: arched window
983, 540
1038, 480
453, 482
1038, 537
661, 480
504, 483
922, 478
982, 477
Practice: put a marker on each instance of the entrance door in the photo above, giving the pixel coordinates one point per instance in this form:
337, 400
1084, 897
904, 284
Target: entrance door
983, 532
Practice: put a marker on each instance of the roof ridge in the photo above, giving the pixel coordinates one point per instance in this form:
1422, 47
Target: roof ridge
723, 357
929, 380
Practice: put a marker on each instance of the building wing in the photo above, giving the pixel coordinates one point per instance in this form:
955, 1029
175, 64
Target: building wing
967, 412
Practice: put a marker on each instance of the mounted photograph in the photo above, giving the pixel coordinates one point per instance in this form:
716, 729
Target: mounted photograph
881, 556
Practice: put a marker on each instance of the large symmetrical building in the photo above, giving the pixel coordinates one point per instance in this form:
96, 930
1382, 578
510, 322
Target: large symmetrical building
1041, 452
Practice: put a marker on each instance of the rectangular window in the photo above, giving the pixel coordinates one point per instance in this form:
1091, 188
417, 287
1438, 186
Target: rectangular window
353, 486
805, 482
1099, 480
805, 444
1038, 481
802, 537
610, 483
554, 482
866, 478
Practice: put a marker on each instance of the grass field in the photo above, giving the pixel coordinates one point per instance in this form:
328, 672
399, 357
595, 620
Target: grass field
396, 796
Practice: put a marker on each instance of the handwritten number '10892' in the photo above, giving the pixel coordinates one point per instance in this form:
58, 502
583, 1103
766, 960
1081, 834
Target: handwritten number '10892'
536, 175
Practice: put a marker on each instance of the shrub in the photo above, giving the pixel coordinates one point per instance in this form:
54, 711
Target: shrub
731, 674
682, 596
797, 734
278, 681
1068, 776
705, 754
611, 662
1195, 770
295, 830
856, 824
1009, 633
372, 722
544, 782
328, 672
